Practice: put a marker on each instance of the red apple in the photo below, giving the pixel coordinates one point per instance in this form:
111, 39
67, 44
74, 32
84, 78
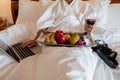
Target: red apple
61, 39
58, 32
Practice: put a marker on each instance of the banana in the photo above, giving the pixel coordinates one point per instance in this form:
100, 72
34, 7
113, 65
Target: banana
53, 41
48, 37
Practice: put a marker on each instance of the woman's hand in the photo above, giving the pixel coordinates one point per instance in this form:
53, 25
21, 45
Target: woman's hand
30, 43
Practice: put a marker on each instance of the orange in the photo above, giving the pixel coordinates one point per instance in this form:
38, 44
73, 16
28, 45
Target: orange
68, 36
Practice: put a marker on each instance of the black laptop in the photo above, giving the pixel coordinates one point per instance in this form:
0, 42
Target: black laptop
16, 51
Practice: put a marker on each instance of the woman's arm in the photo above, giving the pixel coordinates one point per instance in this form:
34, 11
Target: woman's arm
32, 43
40, 32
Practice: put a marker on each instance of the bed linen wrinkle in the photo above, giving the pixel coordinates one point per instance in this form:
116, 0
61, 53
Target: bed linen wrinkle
109, 74
7, 70
26, 69
54, 58
88, 63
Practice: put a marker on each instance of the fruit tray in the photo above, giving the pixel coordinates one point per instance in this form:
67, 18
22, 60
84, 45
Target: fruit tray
65, 45
47, 35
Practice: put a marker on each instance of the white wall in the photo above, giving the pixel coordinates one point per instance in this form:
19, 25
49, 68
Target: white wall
5, 9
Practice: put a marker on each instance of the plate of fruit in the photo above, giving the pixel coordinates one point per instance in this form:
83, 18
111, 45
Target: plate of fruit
60, 38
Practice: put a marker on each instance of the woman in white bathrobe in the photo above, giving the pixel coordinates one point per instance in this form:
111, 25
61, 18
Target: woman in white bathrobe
87, 65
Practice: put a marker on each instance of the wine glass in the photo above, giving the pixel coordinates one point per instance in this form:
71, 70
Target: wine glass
89, 25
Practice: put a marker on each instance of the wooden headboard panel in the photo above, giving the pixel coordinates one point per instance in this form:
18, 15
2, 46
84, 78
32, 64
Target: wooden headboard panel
115, 1
14, 7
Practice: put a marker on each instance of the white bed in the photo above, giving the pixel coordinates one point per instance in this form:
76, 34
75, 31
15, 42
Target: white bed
63, 63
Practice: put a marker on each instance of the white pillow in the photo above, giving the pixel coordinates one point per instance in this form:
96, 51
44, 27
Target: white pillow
30, 11
17, 33
113, 18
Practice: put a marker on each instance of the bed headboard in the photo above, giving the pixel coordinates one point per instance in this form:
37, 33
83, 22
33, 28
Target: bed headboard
115, 1
15, 7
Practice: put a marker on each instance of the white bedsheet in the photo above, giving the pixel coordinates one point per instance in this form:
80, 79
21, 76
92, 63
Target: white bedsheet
67, 63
